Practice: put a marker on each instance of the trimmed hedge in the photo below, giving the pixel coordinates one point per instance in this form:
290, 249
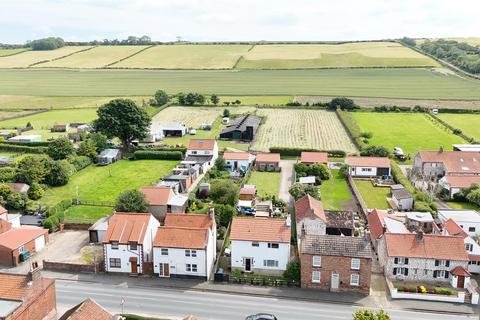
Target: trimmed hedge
157, 155
21, 149
296, 152
399, 177
29, 144
80, 162
56, 214
183, 150
352, 128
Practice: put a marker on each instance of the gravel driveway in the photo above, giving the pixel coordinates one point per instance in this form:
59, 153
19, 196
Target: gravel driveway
286, 180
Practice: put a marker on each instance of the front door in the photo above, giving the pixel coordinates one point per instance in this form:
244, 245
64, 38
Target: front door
334, 282
461, 282
164, 270
133, 264
248, 264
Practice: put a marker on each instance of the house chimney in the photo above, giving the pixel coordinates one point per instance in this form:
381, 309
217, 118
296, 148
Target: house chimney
211, 213
419, 235
34, 273
288, 221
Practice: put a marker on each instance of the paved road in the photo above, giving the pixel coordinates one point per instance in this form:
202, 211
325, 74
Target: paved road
216, 306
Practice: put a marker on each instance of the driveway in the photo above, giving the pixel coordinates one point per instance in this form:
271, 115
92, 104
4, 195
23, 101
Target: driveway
62, 246
286, 180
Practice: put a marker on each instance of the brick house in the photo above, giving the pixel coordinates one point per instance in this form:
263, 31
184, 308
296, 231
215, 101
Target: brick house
27, 297
267, 162
336, 263
18, 244
314, 158
447, 163
310, 217
163, 200
85, 310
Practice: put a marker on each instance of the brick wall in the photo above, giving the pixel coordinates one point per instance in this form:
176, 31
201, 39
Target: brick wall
76, 226
40, 307
72, 267
335, 264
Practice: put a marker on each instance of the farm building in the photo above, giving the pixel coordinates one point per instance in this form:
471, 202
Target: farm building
368, 166
18, 244
83, 128
26, 138
108, 156
467, 147
268, 162
60, 127
238, 161
163, 200
454, 184
169, 129
314, 157
402, 199
243, 128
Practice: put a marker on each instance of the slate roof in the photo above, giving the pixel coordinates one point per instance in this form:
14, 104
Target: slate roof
329, 245
241, 123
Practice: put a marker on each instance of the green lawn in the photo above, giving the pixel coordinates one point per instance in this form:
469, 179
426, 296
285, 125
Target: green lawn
411, 131
106, 183
46, 120
463, 205
267, 183
86, 213
374, 197
334, 192
260, 100
468, 123
388, 82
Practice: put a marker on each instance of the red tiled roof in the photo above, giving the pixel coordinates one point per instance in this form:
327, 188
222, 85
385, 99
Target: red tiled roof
268, 157
460, 271
473, 257
87, 310
377, 162
431, 247
260, 229
306, 206
314, 157
236, 156
455, 162
157, 196
125, 227
3, 210
14, 287
178, 237
201, 144
17, 237
454, 229
376, 222
462, 182
249, 191
4, 226
186, 220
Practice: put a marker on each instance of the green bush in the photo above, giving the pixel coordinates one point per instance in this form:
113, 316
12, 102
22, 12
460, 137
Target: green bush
21, 149
35, 191
444, 291
157, 155
29, 144
296, 152
293, 271
7, 174
400, 178
80, 162
60, 172
59, 207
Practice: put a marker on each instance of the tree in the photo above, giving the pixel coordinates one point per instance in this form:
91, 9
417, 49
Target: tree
60, 173
16, 201
60, 148
214, 98
408, 41
342, 103
369, 315
224, 191
99, 140
33, 168
223, 214
474, 196
131, 201
319, 170
293, 271
123, 119
35, 191
161, 97
220, 164
375, 151
226, 113
47, 44
299, 190
87, 148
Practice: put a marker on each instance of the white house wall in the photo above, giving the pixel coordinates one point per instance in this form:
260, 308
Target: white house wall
358, 171
124, 254
177, 261
244, 249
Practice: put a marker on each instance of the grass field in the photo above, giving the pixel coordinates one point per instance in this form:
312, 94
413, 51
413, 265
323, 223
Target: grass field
267, 183
334, 192
46, 120
8, 52
186, 57
362, 54
390, 83
410, 131
468, 123
374, 197
317, 129
86, 213
463, 205
97, 57
257, 100
106, 183
27, 58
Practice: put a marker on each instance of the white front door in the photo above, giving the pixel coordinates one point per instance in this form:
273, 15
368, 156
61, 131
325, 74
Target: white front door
39, 243
335, 280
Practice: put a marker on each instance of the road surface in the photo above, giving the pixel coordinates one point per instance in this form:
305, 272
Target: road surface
207, 305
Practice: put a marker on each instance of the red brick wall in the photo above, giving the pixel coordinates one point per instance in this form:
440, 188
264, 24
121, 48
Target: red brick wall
39, 308
340, 265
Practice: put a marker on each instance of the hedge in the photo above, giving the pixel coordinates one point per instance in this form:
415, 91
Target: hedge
296, 152
8, 174
157, 155
183, 150
29, 144
56, 214
21, 149
352, 128
80, 162
456, 131
400, 178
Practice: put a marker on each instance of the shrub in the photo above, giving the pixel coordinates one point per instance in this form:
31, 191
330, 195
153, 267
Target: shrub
87, 148
60, 173
157, 155
223, 191
16, 201
7, 174
59, 207
444, 291
51, 223
33, 168
224, 214
366, 135
342, 103
131, 201
376, 151
80, 162
60, 148
293, 271
35, 191
299, 190
226, 113
161, 97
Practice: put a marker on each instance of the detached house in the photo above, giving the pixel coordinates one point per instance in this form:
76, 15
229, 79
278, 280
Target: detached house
127, 244
368, 166
314, 158
268, 162
260, 245
162, 200
185, 246
203, 152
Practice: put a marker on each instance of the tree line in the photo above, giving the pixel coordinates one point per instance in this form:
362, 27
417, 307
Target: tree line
460, 54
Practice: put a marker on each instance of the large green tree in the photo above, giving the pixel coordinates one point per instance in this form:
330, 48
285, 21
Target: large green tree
131, 201
60, 148
224, 191
161, 97
122, 118
33, 168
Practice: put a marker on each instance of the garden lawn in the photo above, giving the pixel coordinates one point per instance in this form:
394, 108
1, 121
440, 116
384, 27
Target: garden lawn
82, 213
106, 183
468, 123
410, 131
46, 120
267, 183
463, 205
374, 197
334, 192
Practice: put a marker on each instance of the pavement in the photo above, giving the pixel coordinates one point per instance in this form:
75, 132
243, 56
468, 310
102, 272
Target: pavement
287, 178
174, 303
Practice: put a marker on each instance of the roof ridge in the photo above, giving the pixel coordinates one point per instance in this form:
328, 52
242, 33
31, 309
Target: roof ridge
184, 228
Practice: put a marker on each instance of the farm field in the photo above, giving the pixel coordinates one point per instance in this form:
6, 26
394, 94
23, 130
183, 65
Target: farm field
374, 197
257, 100
27, 58
185, 57
83, 213
390, 83
410, 131
106, 183
97, 57
468, 123
334, 192
348, 55
46, 120
316, 129
8, 52
267, 183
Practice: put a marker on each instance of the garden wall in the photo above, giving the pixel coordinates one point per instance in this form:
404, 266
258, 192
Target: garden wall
424, 296
72, 267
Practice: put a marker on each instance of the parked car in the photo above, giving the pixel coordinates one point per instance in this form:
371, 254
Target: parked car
261, 316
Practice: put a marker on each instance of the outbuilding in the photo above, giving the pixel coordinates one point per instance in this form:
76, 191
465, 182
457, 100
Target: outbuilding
268, 162
26, 138
403, 199
108, 156
18, 244
243, 128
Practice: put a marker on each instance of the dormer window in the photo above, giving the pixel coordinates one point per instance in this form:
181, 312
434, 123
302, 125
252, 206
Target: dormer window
133, 245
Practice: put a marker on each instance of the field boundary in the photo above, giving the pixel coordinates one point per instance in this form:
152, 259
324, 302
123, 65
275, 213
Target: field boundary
58, 58
16, 116
454, 130
127, 57
13, 54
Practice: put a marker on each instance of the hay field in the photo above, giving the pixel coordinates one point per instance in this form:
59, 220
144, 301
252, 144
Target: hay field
46, 120
8, 52
194, 117
362, 54
39, 102
27, 58
317, 129
186, 57
97, 57
468, 123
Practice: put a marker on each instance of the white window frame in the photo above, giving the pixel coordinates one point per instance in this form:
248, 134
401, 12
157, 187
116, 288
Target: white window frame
190, 253
316, 261
441, 274
355, 276
115, 265
270, 263
355, 264
114, 245
316, 279
164, 251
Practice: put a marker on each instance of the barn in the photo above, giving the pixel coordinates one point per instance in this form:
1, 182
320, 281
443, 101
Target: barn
243, 128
